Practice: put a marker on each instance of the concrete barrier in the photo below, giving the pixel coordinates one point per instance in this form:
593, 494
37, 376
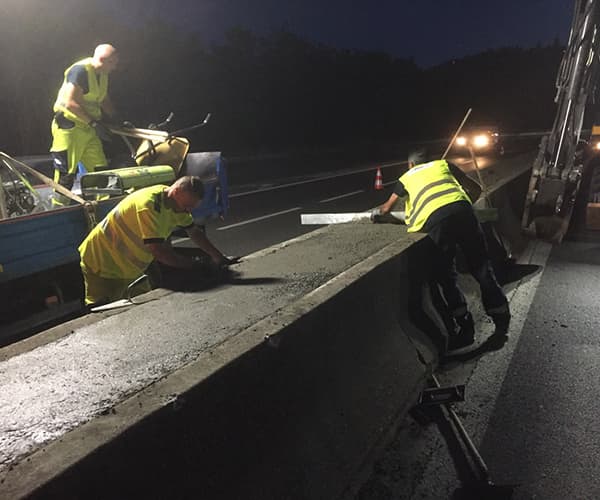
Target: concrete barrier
293, 406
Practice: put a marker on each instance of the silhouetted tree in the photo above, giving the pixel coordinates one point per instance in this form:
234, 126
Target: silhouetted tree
266, 93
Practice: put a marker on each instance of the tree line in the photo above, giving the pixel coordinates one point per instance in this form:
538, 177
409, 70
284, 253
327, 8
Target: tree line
267, 93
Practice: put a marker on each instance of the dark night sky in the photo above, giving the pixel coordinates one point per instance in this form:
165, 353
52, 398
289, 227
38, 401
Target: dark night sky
431, 31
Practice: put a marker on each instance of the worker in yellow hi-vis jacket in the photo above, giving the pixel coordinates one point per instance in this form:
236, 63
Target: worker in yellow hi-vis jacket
136, 232
77, 129
437, 204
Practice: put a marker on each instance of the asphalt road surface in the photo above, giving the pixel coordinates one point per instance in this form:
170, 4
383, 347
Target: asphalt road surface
264, 215
261, 216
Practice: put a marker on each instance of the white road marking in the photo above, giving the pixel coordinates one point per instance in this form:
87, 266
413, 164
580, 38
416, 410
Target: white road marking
291, 184
342, 196
316, 179
256, 219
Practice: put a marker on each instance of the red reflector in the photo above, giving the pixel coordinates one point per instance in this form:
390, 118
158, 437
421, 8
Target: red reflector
52, 300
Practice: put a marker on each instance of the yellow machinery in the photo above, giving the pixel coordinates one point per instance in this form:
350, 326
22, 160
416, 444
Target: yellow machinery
122, 181
159, 157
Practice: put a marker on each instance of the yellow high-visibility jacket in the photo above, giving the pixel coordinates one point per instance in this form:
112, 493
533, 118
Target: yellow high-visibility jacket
116, 247
430, 186
97, 89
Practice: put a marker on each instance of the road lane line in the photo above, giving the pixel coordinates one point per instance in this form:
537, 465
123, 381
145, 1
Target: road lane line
256, 219
315, 179
342, 196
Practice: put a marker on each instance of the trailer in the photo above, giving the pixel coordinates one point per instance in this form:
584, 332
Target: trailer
40, 278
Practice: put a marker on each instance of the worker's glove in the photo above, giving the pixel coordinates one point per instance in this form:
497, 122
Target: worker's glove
376, 215
102, 130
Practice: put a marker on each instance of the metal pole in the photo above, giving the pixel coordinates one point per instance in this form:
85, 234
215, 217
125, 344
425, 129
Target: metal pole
457, 132
482, 184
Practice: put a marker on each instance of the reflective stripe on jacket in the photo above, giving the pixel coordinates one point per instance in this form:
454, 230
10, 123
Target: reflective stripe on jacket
97, 89
430, 186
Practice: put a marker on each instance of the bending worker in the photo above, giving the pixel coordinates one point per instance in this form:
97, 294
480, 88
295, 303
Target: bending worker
134, 233
76, 128
437, 204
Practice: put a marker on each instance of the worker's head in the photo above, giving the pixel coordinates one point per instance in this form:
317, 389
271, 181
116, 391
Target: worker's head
416, 157
106, 58
186, 193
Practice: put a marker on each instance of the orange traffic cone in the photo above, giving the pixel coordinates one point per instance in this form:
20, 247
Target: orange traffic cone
378, 180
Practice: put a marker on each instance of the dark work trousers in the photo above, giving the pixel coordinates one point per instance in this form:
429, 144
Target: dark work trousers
462, 229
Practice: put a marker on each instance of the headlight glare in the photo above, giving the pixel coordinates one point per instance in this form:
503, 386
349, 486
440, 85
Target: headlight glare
481, 141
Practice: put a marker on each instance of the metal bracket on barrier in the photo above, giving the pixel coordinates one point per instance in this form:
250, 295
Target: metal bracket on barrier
442, 395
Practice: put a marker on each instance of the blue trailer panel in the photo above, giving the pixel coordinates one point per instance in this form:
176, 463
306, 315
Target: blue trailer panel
44, 241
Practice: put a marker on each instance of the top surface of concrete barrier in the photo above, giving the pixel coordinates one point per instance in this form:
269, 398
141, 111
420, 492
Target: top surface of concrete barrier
66, 376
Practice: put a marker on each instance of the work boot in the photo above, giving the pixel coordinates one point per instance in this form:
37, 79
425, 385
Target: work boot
501, 322
465, 334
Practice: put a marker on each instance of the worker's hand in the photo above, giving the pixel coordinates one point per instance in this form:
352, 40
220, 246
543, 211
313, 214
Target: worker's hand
375, 214
101, 130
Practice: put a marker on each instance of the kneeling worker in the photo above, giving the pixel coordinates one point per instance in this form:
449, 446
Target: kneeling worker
135, 232
437, 204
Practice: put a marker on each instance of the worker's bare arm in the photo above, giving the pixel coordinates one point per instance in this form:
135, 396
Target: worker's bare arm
387, 206
200, 239
72, 100
164, 253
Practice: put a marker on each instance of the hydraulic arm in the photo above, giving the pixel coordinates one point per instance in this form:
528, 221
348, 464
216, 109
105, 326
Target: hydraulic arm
558, 168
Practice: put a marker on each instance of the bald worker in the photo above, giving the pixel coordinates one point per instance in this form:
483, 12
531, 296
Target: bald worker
77, 131
136, 232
